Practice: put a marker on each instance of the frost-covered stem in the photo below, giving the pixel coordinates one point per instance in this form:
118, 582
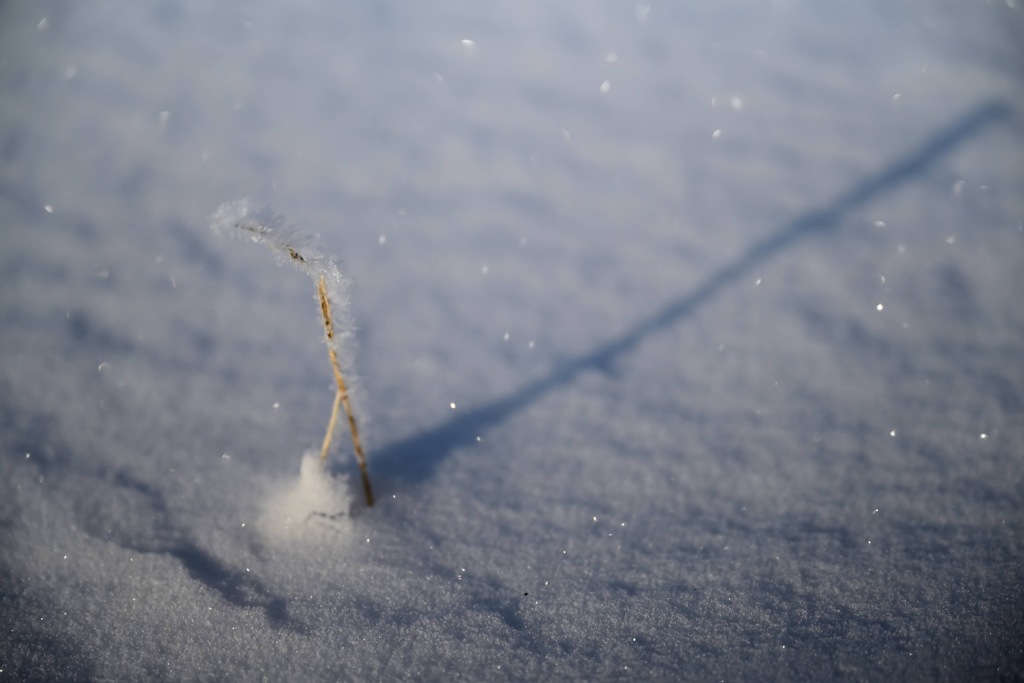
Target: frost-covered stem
330, 428
322, 269
341, 396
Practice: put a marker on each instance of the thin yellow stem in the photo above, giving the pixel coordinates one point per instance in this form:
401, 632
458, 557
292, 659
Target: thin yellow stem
341, 396
330, 428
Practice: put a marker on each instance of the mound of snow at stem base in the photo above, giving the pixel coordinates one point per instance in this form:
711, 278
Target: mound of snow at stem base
314, 507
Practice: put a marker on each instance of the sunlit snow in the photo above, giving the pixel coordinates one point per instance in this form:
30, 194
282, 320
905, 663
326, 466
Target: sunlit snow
688, 337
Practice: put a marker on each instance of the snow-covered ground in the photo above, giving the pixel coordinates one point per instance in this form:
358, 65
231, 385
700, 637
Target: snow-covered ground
689, 340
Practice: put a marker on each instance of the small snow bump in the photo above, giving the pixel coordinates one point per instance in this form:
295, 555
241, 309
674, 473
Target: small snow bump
892, 433
606, 87
717, 133
736, 102
382, 240
48, 208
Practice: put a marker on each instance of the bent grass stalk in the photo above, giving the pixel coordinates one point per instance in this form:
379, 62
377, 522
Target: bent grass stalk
341, 397
239, 216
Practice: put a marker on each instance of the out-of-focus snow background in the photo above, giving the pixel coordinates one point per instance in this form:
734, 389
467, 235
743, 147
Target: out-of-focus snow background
690, 340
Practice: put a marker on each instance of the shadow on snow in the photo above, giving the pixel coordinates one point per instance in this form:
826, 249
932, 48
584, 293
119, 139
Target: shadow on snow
415, 458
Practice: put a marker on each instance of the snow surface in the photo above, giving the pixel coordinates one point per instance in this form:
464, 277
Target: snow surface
689, 336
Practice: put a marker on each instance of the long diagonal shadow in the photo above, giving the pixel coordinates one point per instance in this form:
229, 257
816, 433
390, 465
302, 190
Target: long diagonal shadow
415, 458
